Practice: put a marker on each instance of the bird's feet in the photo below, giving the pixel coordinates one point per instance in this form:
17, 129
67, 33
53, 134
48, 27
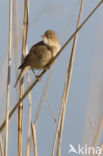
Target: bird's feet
38, 77
47, 67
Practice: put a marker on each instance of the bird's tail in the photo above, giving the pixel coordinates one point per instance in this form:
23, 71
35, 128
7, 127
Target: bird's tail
21, 75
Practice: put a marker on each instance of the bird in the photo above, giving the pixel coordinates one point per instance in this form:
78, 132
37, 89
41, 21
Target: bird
40, 54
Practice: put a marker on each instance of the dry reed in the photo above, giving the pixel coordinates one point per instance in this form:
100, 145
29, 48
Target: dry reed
97, 135
16, 34
1, 147
16, 38
67, 84
34, 138
20, 108
29, 118
8, 77
49, 64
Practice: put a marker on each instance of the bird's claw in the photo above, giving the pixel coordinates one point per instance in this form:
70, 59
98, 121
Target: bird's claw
38, 77
47, 67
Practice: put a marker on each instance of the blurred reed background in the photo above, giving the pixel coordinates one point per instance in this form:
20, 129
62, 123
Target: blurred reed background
33, 130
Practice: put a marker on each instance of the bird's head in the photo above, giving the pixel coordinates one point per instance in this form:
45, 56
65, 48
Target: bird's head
50, 38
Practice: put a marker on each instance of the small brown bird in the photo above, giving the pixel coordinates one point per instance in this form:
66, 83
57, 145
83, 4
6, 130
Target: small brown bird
40, 53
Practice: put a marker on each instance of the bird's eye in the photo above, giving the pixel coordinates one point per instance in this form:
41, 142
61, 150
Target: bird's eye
51, 37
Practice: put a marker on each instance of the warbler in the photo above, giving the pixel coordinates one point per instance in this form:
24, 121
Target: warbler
40, 54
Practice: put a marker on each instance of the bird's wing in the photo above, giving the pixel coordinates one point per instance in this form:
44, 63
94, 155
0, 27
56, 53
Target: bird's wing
39, 54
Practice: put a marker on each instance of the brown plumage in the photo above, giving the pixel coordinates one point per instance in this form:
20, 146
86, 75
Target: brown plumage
40, 54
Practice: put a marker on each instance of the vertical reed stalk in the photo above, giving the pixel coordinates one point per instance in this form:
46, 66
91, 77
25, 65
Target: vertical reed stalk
8, 78
97, 135
20, 109
29, 118
34, 138
16, 34
50, 63
38, 112
66, 91
1, 147
67, 82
